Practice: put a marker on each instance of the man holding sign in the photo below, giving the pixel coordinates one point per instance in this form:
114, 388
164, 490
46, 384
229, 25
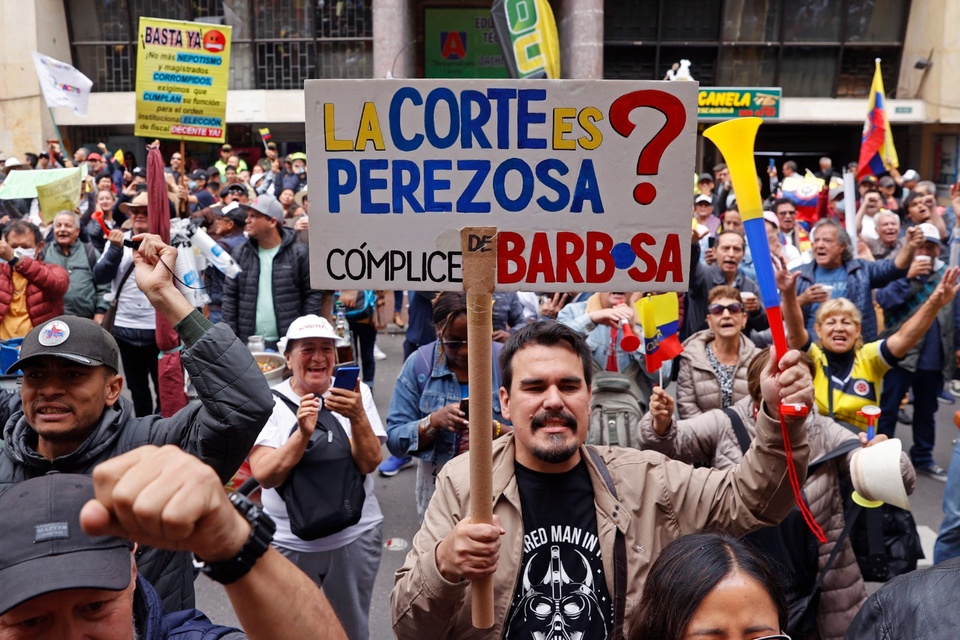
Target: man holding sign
565, 514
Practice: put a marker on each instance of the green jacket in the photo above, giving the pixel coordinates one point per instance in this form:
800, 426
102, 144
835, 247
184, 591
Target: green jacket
84, 297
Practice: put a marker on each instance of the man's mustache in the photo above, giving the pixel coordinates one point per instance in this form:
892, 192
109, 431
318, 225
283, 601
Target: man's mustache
540, 420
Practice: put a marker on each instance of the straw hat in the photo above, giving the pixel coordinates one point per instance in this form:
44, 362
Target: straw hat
875, 472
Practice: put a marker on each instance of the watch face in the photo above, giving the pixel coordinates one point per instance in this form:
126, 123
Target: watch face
18, 253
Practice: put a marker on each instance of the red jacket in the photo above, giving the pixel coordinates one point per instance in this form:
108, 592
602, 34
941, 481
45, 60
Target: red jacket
46, 286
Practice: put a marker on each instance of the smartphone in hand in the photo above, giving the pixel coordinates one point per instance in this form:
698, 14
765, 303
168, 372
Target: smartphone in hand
465, 407
345, 377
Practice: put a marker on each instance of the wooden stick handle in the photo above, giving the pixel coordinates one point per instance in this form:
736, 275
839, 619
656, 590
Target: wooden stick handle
479, 277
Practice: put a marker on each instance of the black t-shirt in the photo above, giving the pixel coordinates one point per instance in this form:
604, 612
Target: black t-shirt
561, 592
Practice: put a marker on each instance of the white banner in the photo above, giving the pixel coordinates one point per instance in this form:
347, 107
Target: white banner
62, 85
587, 182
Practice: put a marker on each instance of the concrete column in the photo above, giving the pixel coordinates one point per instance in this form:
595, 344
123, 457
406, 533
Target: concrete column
394, 39
580, 27
31, 25
932, 27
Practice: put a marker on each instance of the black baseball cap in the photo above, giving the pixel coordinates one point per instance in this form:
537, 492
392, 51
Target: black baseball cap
139, 171
79, 340
43, 549
233, 188
198, 174
234, 213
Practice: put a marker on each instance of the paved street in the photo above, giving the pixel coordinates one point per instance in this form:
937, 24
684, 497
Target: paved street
400, 519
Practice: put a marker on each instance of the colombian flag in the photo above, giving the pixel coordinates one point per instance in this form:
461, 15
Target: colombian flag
265, 134
804, 191
877, 153
660, 317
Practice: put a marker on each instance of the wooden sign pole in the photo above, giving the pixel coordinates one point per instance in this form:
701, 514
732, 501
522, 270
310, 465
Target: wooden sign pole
479, 277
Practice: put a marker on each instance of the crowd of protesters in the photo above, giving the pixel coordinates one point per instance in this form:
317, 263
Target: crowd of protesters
872, 319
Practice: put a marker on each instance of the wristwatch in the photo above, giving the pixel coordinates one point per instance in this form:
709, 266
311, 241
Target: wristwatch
262, 529
17, 254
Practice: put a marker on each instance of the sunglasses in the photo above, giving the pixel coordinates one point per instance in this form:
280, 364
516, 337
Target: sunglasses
454, 344
718, 309
781, 636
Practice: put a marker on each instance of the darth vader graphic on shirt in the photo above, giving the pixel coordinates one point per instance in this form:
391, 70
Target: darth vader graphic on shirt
561, 593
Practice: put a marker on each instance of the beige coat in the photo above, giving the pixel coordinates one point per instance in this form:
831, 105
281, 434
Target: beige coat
709, 439
698, 389
659, 500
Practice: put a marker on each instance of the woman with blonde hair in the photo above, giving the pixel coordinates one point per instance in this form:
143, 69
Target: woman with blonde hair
848, 372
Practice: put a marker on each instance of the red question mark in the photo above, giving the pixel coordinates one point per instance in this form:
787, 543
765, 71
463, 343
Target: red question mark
648, 162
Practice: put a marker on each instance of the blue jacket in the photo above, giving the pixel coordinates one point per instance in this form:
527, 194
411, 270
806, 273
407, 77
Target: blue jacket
910, 290
862, 278
153, 623
421, 389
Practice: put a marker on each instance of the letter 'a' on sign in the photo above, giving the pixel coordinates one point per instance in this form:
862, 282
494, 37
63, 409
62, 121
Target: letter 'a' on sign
585, 181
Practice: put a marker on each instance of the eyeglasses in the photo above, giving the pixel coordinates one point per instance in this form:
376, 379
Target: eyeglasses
788, 212
781, 636
454, 344
718, 309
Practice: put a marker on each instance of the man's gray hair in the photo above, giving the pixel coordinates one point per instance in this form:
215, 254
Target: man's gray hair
842, 236
885, 213
73, 216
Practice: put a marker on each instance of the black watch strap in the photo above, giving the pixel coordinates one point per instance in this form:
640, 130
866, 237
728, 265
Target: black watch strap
262, 529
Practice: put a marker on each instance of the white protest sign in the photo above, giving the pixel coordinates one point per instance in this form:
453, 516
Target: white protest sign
587, 182
62, 84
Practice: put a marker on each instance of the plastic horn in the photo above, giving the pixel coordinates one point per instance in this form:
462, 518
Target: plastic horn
872, 413
98, 216
735, 139
630, 342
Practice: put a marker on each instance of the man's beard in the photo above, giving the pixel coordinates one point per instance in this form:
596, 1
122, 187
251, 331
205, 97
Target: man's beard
558, 449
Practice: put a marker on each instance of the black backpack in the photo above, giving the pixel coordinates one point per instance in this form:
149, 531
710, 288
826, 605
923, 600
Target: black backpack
324, 492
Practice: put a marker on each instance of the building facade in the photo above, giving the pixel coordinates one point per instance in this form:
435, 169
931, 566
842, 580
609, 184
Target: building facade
819, 52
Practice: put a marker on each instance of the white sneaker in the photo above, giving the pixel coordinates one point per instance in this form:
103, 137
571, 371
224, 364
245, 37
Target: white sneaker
378, 354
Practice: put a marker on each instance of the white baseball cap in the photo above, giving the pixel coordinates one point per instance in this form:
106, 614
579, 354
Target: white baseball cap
930, 233
308, 326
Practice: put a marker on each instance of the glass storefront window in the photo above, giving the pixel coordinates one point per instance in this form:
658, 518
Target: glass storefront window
751, 20
691, 20
874, 20
629, 21
808, 72
811, 21
747, 67
100, 20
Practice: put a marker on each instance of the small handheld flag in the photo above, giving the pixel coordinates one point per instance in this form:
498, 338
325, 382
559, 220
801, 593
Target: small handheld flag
265, 136
660, 317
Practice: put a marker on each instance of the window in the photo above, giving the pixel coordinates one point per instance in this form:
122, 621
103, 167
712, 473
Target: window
276, 44
810, 48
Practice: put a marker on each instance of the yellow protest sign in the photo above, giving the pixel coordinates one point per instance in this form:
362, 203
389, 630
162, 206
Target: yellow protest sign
63, 194
182, 73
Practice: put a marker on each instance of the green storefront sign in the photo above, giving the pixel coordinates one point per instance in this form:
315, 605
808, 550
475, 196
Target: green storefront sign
461, 43
723, 103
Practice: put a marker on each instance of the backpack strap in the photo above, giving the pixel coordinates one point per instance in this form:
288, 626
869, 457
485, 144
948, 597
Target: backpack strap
743, 438
324, 417
91, 258
843, 448
619, 554
850, 518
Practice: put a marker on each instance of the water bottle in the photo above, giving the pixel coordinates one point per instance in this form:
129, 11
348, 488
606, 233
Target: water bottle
342, 328
955, 246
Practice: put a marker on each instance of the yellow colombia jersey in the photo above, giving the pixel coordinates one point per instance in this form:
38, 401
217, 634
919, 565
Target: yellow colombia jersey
860, 388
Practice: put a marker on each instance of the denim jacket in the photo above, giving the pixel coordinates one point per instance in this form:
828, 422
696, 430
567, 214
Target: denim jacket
413, 400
